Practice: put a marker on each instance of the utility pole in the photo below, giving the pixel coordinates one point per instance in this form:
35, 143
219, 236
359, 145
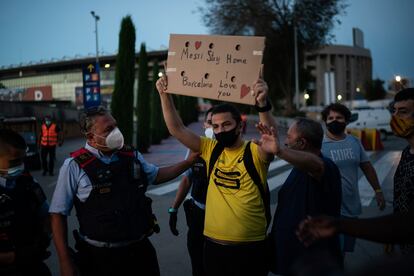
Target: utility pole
96, 17
296, 68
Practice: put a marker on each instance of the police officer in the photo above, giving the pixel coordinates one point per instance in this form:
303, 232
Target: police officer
49, 138
194, 207
24, 223
106, 182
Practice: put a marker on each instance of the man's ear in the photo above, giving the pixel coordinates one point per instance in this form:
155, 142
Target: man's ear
303, 143
89, 136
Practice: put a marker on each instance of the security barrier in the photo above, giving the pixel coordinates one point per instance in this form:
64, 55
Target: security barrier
370, 138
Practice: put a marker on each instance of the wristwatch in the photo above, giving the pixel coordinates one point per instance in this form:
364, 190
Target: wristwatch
265, 108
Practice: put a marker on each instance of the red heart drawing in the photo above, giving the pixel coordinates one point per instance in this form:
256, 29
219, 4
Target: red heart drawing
244, 91
197, 44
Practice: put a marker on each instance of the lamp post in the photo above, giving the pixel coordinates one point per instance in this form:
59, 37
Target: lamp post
296, 67
96, 17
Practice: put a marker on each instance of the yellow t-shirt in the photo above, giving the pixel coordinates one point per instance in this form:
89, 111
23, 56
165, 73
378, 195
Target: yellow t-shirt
234, 206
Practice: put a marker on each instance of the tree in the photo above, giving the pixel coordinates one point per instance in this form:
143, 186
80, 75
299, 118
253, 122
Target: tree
122, 104
276, 19
143, 101
374, 90
157, 126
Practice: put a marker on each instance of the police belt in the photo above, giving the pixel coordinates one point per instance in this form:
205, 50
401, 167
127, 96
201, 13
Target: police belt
198, 204
103, 244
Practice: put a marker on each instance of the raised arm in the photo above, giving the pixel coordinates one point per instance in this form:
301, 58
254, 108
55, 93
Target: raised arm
302, 160
260, 90
172, 119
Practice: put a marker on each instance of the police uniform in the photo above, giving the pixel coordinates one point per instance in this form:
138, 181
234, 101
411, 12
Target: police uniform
23, 211
114, 215
194, 208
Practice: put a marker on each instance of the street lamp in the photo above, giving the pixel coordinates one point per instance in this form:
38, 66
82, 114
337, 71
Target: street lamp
96, 17
398, 78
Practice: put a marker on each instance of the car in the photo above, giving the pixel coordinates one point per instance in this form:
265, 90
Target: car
378, 118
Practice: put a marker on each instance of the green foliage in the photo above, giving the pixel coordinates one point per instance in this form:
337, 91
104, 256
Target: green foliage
2, 86
123, 96
374, 90
157, 126
275, 19
143, 103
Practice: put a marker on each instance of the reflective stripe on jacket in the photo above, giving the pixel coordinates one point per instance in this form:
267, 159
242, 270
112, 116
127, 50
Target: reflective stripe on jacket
49, 135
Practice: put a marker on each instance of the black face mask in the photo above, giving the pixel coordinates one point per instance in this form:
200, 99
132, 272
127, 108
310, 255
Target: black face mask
336, 127
227, 138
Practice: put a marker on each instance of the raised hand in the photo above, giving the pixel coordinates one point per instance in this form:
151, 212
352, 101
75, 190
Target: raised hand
260, 91
162, 82
269, 140
313, 229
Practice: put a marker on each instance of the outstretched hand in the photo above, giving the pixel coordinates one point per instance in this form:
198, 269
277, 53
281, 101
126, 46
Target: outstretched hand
192, 157
269, 140
313, 229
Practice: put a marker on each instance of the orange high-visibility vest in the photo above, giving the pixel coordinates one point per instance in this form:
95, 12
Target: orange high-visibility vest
49, 135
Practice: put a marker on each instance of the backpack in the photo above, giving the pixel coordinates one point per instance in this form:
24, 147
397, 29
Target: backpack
251, 170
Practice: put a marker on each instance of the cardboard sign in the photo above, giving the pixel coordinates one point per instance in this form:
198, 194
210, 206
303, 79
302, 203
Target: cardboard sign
215, 67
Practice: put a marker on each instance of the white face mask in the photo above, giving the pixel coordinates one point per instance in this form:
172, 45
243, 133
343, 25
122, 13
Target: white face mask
209, 132
114, 140
13, 173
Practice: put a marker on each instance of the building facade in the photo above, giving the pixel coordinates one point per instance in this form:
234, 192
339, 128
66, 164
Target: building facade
62, 80
340, 73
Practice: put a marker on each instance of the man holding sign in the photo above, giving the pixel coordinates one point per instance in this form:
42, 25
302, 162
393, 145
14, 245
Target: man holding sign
237, 205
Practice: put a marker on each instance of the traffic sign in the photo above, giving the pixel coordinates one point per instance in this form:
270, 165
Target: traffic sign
91, 85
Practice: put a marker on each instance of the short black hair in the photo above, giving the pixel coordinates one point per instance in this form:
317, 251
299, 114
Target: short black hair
225, 107
10, 138
405, 94
207, 112
310, 130
336, 107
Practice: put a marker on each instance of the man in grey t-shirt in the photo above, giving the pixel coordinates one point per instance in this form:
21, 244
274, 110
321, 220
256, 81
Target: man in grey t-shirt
349, 155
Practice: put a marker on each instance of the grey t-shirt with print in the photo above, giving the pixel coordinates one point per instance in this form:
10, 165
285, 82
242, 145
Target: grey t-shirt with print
347, 154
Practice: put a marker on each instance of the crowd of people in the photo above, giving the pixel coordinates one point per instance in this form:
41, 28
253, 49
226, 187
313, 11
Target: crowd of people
230, 225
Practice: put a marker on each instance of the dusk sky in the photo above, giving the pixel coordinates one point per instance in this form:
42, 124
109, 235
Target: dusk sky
44, 29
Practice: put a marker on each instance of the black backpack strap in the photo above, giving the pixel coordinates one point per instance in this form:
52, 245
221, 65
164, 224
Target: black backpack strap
218, 149
254, 175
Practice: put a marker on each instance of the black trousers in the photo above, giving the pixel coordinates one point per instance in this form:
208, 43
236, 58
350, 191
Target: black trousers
45, 152
38, 269
235, 260
195, 238
137, 259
